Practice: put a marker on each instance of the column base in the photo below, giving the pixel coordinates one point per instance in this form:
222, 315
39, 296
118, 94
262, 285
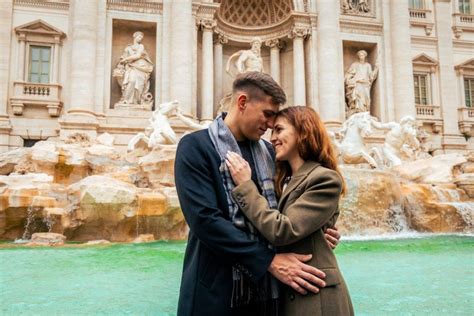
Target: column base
78, 121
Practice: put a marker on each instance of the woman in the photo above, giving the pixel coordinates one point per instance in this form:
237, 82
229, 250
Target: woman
309, 186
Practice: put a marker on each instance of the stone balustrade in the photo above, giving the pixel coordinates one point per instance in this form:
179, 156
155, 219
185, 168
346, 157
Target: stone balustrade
461, 23
423, 18
38, 94
430, 115
466, 120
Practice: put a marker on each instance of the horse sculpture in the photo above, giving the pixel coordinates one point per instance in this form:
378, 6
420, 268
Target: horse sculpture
352, 148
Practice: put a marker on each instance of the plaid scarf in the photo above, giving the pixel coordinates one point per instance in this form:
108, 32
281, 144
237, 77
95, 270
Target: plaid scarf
223, 140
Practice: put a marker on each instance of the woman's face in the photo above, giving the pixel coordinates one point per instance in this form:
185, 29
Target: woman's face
284, 139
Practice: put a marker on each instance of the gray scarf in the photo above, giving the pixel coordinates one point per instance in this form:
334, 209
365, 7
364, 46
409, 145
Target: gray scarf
224, 141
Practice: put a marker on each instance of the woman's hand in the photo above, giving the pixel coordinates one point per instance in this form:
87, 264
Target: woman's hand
239, 168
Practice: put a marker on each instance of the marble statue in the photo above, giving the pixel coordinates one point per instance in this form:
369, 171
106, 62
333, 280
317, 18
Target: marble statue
133, 74
190, 123
247, 60
352, 148
401, 140
358, 82
159, 132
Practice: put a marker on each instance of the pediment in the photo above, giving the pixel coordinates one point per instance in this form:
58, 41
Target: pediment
424, 60
39, 27
469, 64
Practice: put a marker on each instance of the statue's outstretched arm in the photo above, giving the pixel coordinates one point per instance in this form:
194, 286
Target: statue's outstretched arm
232, 57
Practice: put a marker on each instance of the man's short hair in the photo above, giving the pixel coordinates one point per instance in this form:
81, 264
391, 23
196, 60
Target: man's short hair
255, 82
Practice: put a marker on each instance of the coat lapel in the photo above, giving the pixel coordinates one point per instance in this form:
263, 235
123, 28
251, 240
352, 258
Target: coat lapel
301, 174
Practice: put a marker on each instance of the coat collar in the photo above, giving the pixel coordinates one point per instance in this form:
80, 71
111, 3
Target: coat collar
301, 174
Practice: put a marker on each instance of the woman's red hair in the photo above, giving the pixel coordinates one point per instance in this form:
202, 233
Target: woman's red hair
313, 143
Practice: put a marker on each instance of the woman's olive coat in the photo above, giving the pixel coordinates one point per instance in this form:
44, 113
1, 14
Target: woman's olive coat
308, 205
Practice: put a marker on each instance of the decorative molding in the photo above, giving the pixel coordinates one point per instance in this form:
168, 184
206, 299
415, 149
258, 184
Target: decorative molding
423, 40
467, 66
424, 60
243, 34
142, 6
206, 24
298, 31
221, 39
49, 4
39, 29
361, 8
274, 43
361, 27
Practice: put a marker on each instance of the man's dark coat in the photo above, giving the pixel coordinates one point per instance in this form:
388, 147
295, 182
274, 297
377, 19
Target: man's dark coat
214, 243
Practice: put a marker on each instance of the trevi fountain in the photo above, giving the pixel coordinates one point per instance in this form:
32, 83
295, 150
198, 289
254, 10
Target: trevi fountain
91, 169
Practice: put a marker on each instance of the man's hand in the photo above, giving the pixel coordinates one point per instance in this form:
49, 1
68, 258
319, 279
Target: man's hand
290, 269
332, 236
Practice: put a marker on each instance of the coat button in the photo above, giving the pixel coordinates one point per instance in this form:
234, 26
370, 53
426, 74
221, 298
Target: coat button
292, 297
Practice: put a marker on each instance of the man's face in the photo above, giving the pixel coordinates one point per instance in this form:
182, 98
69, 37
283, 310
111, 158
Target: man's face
257, 117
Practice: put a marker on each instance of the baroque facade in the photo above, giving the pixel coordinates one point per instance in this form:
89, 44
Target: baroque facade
60, 59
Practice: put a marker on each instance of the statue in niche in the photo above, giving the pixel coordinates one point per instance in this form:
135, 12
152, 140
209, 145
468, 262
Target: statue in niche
133, 74
358, 82
247, 59
355, 6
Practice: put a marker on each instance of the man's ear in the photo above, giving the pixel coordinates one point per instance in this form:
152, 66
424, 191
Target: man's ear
242, 102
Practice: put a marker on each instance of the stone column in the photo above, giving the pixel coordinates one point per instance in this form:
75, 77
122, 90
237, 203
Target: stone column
299, 93
6, 16
452, 138
56, 61
21, 58
218, 70
207, 74
403, 88
434, 87
275, 47
330, 75
462, 96
84, 18
181, 59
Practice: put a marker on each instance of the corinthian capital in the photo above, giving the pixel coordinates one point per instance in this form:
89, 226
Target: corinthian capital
207, 24
298, 31
221, 38
274, 43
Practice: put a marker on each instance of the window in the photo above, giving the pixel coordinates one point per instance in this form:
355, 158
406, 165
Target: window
421, 89
469, 91
465, 6
39, 66
416, 4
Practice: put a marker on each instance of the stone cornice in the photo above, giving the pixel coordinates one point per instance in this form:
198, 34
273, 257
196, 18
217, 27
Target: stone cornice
424, 40
463, 44
51, 4
147, 6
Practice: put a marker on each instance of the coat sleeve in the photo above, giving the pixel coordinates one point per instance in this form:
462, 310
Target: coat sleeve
309, 212
198, 199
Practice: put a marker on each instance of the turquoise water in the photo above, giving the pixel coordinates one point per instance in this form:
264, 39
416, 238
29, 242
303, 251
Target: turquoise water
423, 276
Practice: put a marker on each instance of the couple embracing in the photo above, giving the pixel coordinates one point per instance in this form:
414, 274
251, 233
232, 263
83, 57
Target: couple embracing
260, 242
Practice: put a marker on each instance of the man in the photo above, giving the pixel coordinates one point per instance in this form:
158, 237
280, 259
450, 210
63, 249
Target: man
226, 260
